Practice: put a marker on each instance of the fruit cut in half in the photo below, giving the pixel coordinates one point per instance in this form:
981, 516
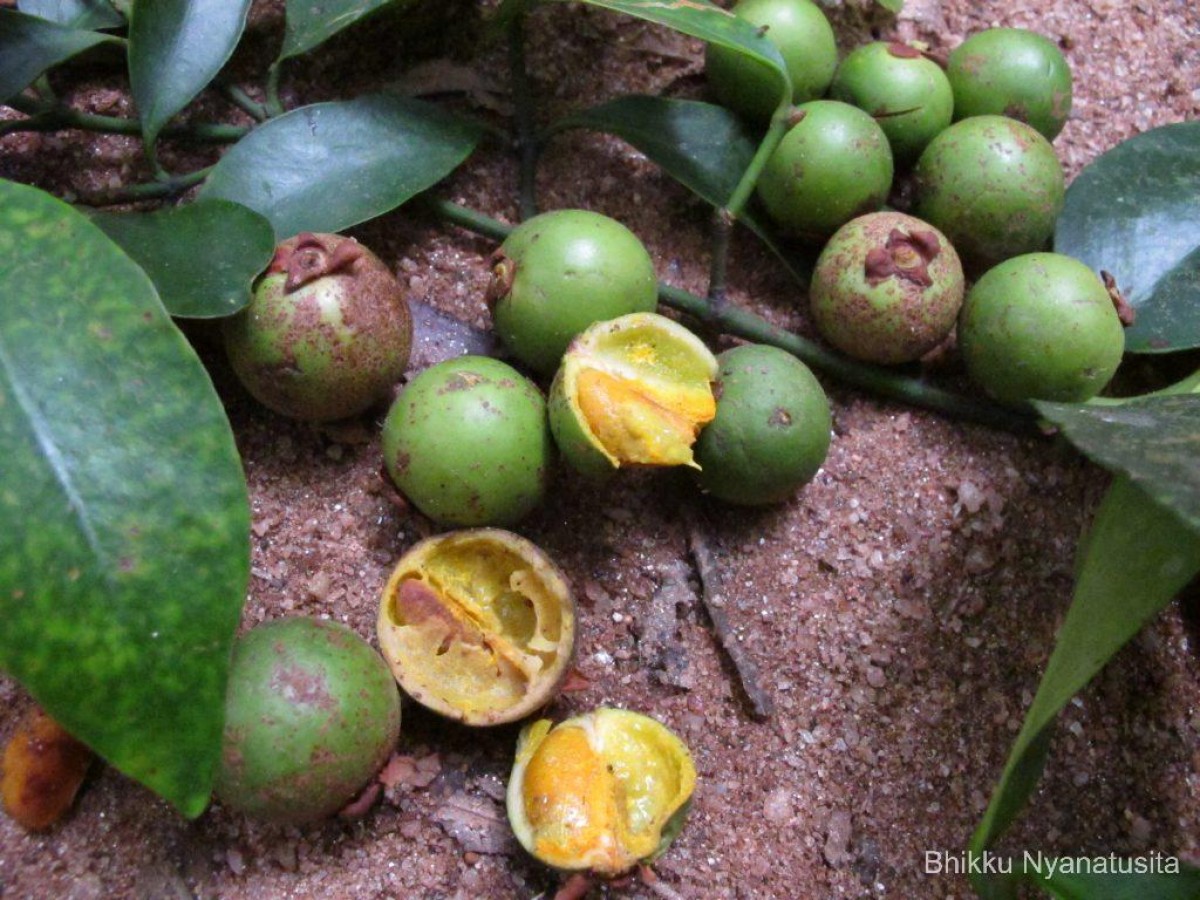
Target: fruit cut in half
600, 792
477, 625
633, 391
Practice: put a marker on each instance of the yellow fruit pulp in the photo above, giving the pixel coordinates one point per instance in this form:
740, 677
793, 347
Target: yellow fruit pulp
597, 791
472, 626
644, 390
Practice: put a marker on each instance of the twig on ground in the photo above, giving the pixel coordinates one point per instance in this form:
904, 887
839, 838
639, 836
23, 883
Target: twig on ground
761, 707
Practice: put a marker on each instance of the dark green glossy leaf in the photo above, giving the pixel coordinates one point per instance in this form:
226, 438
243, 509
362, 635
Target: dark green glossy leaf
332, 165
29, 46
1133, 212
1133, 561
1153, 882
74, 13
202, 257
704, 20
124, 520
1154, 440
176, 47
892, 6
312, 22
704, 147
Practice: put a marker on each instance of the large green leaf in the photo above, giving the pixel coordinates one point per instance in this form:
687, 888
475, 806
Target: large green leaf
706, 148
1133, 212
1135, 558
201, 257
124, 520
311, 23
1152, 881
332, 165
74, 13
1153, 440
30, 45
176, 47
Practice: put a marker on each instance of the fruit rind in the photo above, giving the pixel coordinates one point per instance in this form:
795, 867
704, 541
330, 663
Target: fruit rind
905, 92
1040, 327
327, 346
467, 442
559, 272
805, 39
834, 164
887, 288
993, 186
503, 639
772, 429
1011, 72
312, 713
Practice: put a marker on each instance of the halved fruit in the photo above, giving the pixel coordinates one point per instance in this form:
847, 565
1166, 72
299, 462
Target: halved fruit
600, 792
477, 625
632, 391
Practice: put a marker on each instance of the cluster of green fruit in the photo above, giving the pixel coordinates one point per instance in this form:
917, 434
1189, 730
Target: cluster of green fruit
471, 441
987, 189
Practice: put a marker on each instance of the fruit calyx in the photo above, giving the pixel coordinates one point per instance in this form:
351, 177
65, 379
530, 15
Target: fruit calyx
309, 259
1125, 312
901, 50
504, 272
904, 255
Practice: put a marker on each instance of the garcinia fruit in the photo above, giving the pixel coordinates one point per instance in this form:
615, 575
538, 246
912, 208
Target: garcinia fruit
468, 444
600, 792
311, 715
633, 391
327, 332
559, 272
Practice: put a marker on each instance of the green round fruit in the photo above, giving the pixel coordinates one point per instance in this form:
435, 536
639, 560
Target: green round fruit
327, 332
771, 432
907, 94
467, 442
993, 185
311, 714
1011, 72
1040, 327
886, 288
558, 273
805, 41
832, 165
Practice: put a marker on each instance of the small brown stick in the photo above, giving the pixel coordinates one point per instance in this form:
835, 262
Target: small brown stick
656, 886
575, 887
761, 707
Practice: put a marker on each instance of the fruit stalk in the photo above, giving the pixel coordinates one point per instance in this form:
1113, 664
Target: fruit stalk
725, 216
527, 147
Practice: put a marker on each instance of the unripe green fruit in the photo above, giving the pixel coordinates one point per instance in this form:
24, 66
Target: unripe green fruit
327, 332
832, 165
312, 713
558, 273
886, 288
771, 432
805, 41
907, 94
1040, 327
467, 442
1011, 72
993, 185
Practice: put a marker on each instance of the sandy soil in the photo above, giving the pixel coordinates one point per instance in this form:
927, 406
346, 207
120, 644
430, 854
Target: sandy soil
899, 609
